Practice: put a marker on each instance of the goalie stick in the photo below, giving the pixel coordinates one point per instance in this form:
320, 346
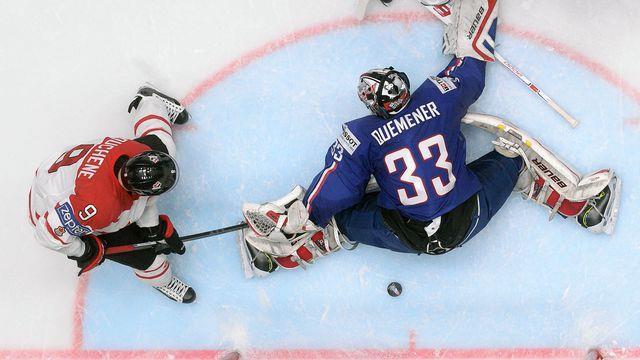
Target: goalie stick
160, 245
443, 12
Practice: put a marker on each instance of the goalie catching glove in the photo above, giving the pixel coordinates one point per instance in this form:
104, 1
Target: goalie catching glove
280, 234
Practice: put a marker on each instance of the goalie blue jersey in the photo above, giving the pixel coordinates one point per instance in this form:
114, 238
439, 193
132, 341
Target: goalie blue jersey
418, 157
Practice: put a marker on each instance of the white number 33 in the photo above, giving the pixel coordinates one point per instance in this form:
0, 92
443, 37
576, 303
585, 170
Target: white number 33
409, 177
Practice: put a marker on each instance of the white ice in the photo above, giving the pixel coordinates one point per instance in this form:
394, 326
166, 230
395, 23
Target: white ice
69, 68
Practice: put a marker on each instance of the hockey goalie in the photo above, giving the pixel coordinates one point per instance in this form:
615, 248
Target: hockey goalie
398, 178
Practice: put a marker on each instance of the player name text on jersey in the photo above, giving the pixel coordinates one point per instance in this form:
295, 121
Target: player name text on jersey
94, 160
405, 122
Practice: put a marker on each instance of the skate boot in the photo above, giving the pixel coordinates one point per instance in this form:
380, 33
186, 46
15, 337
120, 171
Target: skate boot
177, 113
261, 260
178, 291
601, 211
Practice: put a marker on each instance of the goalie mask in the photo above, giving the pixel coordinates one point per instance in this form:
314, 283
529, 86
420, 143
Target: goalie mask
149, 173
384, 91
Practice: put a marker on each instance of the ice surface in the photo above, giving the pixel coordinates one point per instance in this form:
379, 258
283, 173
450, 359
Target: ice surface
522, 283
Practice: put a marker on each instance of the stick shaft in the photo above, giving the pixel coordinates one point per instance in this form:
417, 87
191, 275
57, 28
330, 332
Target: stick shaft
152, 244
443, 13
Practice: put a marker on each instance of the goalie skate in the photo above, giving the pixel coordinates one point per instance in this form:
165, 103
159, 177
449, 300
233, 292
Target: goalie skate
254, 262
601, 212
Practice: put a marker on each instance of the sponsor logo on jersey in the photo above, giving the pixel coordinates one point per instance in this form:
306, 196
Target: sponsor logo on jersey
348, 141
443, 84
549, 173
69, 221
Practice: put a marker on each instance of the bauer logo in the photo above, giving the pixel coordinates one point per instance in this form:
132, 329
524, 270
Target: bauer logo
547, 172
348, 141
68, 220
443, 84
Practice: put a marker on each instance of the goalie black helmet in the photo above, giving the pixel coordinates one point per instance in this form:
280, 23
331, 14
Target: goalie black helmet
149, 173
384, 91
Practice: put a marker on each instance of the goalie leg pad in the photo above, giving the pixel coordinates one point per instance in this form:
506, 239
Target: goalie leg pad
556, 184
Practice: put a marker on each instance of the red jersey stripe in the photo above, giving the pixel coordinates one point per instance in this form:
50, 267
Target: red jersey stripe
154, 276
155, 129
323, 178
149, 117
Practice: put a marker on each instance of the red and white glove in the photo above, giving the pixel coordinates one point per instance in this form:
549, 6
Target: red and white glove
94, 251
170, 235
472, 30
164, 231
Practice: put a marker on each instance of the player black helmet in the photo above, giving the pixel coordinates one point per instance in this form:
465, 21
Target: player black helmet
149, 173
384, 91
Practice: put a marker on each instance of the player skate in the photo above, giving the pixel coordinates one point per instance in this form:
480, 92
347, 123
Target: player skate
177, 113
178, 291
592, 200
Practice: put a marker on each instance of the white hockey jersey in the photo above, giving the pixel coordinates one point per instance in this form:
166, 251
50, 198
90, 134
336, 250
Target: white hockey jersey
78, 192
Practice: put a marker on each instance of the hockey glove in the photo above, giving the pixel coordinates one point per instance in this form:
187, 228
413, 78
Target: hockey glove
472, 30
170, 235
93, 254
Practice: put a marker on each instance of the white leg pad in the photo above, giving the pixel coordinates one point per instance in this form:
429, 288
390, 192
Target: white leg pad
158, 274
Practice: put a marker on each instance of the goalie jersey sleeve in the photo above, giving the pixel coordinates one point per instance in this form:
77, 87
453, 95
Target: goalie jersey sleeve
418, 157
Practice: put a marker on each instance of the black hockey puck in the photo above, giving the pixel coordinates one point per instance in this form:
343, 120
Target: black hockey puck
394, 289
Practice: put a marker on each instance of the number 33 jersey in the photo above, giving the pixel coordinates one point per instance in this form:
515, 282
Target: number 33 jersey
78, 193
418, 157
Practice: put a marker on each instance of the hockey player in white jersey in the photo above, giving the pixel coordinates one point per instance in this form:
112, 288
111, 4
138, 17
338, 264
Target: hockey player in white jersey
103, 193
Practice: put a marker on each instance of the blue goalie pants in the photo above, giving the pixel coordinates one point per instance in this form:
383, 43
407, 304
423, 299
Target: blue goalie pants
364, 222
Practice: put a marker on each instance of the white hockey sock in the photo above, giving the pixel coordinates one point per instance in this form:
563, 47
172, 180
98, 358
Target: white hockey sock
158, 274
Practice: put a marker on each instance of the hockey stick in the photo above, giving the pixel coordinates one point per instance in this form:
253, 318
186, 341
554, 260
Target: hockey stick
443, 12
160, 245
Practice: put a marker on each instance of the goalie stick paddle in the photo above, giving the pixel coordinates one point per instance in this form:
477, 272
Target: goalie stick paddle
160, 245
443, 13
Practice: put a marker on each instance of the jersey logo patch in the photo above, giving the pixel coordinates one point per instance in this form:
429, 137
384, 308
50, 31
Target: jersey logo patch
443, 84
59, 231
348, 141
69, 221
